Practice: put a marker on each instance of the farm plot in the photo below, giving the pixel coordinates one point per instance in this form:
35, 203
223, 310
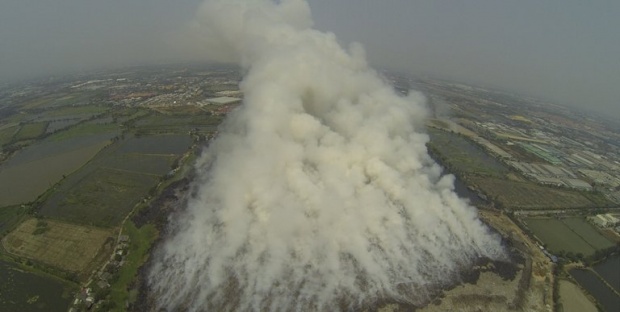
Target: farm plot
86, 129
6, 134
65, 246
60, 124
572, 235
22, 181
558, 237
161, 145
9, 217
528, 195
28, 292
150, 164
48, 148
573, 299
104, 191
462, 155
101, 198
81, 111
154, 124
30, 131
65, 100
588, 233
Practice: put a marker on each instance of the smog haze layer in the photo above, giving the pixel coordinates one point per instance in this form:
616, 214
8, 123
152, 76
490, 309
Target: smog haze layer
318, 193
566, 53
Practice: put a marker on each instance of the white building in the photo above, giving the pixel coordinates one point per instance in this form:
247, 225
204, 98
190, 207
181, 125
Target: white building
223, 100
604, 220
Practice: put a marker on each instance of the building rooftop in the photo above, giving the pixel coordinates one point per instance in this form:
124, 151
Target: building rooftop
223, 100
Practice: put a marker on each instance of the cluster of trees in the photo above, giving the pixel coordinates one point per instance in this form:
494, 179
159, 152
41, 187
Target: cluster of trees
41, 228
597, 256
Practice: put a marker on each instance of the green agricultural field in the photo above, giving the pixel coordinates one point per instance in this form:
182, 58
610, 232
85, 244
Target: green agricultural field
16, 118
61, 100
141, 240
22, 182
68, 247
101, 198
160, 124
572, 235
6, 134
153, 155
29, 292
104, 191
528, 195
157, 145
558, 237
157, 165
77, 110
588, 233
130, 114
462, 155
86, 130
38, 102
30, 131
9, 217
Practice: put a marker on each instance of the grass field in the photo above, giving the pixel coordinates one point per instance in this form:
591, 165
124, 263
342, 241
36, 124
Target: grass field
86, 130
141, 241
6, 134
160, 123
39, 102
588, 233
573, 235
107, 188
159, 145
28, 292
30, 131
102, 198
77, 110
25, 181
9, 217
158, 165
65, 246
573, 299
62, 100
528, 195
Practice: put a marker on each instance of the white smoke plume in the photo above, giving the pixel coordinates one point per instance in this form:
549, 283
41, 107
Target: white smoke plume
319, 193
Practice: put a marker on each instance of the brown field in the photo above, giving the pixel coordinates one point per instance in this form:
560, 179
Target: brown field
65, 246
573, 299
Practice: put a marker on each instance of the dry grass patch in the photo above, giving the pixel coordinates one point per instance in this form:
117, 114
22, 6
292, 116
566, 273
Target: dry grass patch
573, 299
65, 246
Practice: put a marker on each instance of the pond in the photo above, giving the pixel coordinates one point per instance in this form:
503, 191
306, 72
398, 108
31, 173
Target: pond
610, 271
23, 291
601, 292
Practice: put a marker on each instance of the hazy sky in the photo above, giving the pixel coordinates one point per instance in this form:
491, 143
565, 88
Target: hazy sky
565, 50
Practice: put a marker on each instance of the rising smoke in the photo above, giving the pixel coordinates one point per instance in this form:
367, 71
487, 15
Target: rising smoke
318, 193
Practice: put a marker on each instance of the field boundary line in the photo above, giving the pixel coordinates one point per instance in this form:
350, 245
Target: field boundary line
132, 171
583, 238
604, 282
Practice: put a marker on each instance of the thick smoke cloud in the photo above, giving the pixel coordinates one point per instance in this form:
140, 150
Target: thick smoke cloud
318, 193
